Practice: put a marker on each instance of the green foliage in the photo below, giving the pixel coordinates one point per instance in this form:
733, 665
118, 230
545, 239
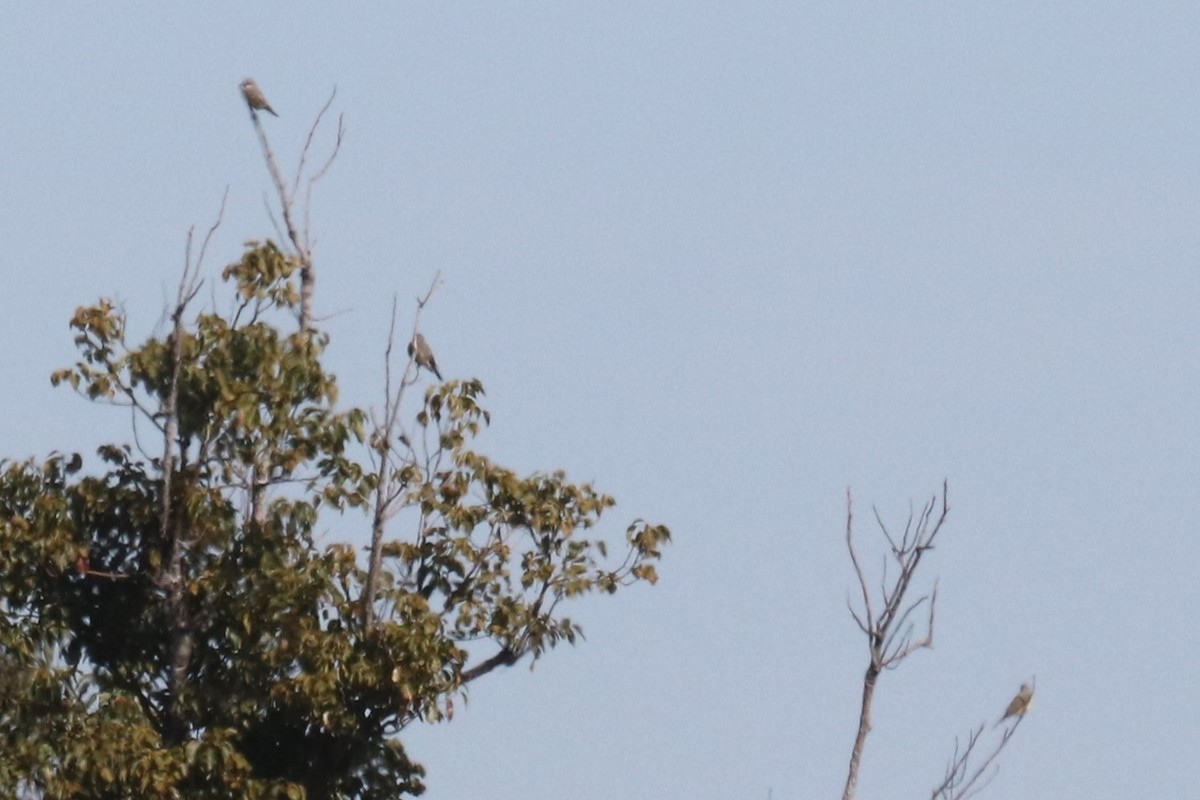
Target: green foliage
171, 626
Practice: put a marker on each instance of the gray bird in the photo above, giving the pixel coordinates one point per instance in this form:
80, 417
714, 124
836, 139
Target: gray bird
254, 96
1019, 705
418, 350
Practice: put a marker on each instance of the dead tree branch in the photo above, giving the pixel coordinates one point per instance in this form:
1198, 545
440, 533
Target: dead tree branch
962, 780
886, 620
300, 238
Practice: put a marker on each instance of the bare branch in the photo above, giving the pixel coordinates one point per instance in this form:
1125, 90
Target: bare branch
387, 488
383, 481
312, 132
300, 239
862, 626
337, 146
862, 580
891, 636
170, 523
212, 229
883, 527
962, 780
309, 243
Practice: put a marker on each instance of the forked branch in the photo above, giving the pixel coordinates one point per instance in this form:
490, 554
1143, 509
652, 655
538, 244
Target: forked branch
300, 238
886, 619
387, 442
964, 780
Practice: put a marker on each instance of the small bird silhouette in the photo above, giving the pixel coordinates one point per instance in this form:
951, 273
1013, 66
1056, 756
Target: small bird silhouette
1020, 704
254, 96
418, 350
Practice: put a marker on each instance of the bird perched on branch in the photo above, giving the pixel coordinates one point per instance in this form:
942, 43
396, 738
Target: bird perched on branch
418, 350
254, 96
1020, 704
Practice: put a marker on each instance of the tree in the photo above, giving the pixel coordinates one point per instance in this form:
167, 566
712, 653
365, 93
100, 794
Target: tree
887, 621
171, 624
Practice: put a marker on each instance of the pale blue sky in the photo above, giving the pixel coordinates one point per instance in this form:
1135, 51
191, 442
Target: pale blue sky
727, 260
